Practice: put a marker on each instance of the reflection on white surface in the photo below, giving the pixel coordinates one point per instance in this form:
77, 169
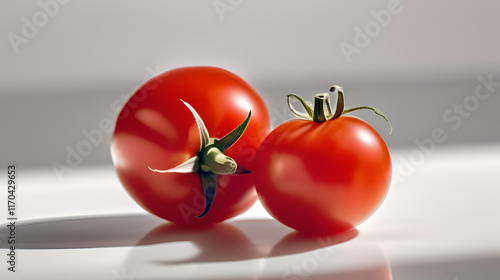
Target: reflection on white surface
439, 223
152, 249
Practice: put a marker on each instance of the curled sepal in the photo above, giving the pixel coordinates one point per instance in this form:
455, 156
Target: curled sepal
209, 183
377, 111
189, 166
308, 106
227, 141
339, 109
204, 137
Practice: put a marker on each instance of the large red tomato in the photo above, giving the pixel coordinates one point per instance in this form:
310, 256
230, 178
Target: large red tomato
323, 176
156, 130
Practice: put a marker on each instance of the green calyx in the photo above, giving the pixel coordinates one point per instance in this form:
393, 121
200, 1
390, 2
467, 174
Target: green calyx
210, 161
321, 110
213, 160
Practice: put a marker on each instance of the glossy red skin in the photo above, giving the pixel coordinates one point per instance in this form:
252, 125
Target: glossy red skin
323, 178
156, 129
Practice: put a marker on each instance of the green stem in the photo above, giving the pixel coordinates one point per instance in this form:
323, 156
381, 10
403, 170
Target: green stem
322, 111
322, 108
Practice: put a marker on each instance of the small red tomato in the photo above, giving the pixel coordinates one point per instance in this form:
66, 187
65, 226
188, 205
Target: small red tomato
323, 176
166, 147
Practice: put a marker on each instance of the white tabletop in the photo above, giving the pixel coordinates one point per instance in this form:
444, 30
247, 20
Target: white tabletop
439, 221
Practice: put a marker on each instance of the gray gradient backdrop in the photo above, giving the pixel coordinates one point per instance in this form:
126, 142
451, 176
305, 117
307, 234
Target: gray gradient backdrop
87, 54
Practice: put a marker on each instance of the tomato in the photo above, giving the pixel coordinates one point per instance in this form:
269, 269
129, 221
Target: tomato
156, 130
323, 177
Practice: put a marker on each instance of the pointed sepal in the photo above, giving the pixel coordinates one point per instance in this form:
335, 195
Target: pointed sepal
227, 141
189, 166
204, 136
209, 183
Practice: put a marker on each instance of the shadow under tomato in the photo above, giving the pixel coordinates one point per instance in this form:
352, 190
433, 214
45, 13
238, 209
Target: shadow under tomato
214, 243
241, 240
218, 251
78, 232
325, 257
158, 249
235, 249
